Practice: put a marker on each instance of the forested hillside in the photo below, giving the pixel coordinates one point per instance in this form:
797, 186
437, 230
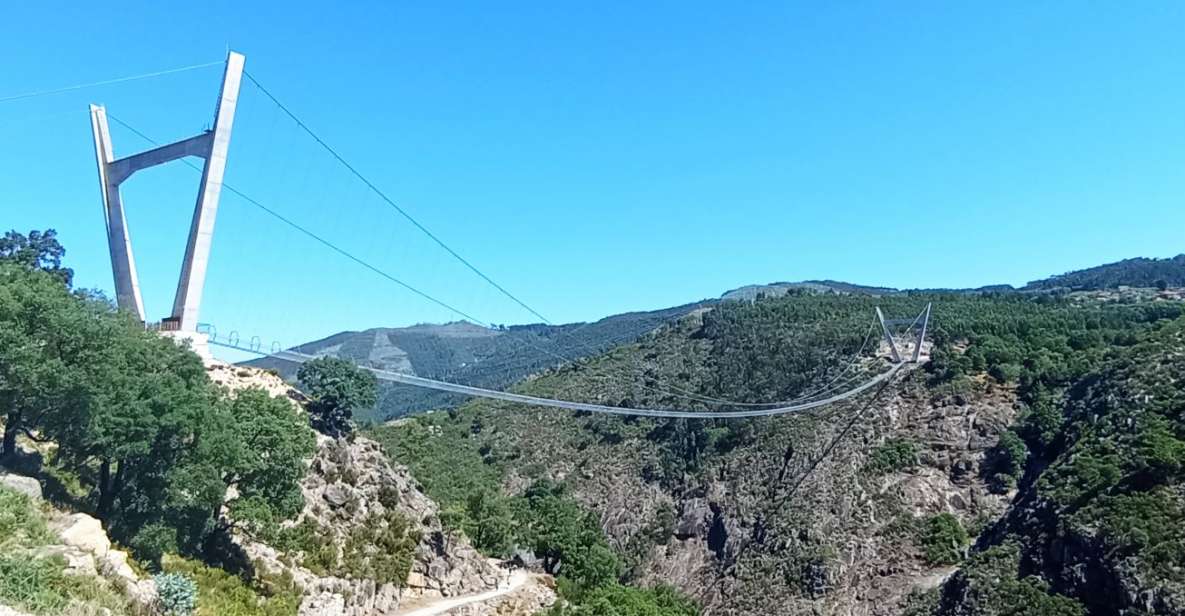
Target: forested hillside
1138, 272
471, 354
871, 507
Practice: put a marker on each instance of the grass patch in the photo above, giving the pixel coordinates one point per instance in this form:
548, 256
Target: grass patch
37, 584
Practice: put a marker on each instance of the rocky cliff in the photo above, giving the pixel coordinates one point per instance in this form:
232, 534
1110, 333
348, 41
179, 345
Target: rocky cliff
359, 510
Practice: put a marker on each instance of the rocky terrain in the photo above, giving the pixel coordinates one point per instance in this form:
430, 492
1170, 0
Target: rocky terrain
349, 492
78, 545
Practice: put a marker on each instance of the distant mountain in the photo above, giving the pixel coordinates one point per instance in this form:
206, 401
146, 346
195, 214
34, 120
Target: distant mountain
495, 358
778, 289
471, 354
1138, 272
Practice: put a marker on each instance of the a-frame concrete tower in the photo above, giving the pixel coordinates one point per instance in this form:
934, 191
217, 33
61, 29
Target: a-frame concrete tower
211, 146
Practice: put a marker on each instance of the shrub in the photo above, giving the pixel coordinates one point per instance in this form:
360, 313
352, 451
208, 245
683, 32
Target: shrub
223, 594
381, 549
1006, 461
944, 539
154, 541
178, 593
891, 456
20, 522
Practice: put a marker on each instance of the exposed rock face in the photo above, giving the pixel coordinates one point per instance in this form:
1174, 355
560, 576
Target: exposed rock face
346, 484
88, 551
792, 522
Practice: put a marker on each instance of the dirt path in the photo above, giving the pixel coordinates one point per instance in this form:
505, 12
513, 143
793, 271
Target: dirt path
433, 607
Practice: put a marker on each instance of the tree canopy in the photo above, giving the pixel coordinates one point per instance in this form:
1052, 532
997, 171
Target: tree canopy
37, 250
154, 444
337, 388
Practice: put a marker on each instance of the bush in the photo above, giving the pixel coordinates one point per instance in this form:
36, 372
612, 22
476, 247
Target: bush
1006, 461
20, 523
178, 593
223, 594
891, 456
944, 539
154, 541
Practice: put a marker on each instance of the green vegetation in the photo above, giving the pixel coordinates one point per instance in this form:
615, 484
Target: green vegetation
337, 388
618, 600
545, 518
1138, 272
1043, 347
891, 456
989, 584
380, 549
38, 250
144, 440
36, 583
178, 593
944, 540
222, 594
1006, 461
136, 421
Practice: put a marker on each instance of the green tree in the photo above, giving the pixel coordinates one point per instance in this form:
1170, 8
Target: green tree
258, 448
337, 387
490, 522
944, 539
38, 250
42, 329
567, 537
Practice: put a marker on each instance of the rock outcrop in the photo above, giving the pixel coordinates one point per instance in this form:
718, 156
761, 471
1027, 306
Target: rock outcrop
86, 550
19, 483
350, 484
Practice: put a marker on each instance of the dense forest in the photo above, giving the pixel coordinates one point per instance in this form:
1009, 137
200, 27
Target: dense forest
1138, 272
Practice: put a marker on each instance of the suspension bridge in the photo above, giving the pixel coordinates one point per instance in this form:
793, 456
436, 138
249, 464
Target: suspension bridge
901, 349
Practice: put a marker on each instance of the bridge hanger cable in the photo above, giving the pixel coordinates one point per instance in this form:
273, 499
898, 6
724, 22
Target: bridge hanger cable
418, 381
829, 386
391, 202
106, 82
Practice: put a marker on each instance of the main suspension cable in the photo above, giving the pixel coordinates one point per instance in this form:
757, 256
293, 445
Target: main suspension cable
391, 202
107, 82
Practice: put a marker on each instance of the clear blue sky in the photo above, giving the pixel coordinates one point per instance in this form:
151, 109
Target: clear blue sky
602, 157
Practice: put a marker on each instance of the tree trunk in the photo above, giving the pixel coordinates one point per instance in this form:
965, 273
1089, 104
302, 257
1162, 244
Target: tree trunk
105, 492
12, 424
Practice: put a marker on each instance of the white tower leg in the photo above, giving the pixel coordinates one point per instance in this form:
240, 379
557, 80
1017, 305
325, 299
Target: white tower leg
119, 242
188, 300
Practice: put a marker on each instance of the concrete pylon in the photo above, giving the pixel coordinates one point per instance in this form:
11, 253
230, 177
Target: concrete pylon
880, 316
119, 242
212, 146
917, 348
